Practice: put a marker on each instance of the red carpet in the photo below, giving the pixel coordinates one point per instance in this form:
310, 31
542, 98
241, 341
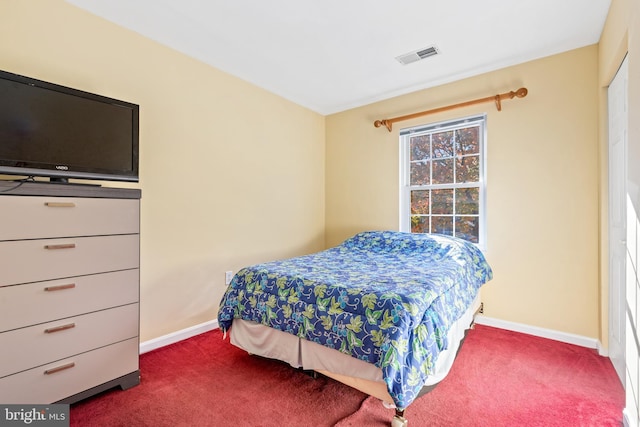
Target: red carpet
500, 378
504, 378
205, 381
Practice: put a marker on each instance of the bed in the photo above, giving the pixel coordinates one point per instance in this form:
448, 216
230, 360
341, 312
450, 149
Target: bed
384, 312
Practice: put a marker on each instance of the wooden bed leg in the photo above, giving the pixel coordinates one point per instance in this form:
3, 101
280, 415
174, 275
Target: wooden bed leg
399, 420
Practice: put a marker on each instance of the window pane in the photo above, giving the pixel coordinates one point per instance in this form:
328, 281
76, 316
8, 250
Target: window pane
441, 178
442, 202
420, 202
419, 146
443, 144
468, 169
467, 228
419, 224
443, 171
467, 201
442, 225
468, 141
420, 173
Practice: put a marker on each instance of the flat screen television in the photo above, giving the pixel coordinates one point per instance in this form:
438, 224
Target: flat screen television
48, 130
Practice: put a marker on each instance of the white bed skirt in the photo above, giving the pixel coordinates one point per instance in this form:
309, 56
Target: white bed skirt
268, 342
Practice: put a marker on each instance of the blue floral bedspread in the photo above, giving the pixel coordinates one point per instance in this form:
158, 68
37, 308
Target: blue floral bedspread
384, 297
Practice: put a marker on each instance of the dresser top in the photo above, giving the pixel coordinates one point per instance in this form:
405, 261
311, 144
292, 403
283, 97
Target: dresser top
29, 188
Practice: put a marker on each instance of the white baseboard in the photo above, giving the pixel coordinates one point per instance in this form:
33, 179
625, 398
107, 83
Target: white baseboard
480, 319
540, 332
177, 336
628, 420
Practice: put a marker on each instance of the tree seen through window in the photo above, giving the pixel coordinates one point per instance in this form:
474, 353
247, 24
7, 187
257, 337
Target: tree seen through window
443, 174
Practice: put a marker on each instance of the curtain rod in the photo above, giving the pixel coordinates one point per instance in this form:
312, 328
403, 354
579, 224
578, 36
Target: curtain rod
520, 93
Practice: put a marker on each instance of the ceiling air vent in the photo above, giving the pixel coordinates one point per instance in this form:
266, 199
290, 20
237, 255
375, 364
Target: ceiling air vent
417, 55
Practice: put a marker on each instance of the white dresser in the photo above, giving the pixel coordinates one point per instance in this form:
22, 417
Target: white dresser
69, 291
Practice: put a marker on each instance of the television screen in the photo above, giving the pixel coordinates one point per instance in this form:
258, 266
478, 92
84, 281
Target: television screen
59, 132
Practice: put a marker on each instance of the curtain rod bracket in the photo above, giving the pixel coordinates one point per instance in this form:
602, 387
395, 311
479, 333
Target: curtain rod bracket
520, 93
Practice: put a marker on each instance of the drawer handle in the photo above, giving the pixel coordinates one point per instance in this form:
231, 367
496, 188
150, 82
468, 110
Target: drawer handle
59, 368
61, 246
60, 287
60, 204
59, 328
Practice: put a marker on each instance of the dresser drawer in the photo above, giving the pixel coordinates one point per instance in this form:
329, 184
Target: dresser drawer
89, 369
31, 217
26, 261
39, 302
41, 344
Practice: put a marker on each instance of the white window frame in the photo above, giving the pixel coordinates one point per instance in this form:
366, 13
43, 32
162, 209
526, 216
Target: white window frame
405, 170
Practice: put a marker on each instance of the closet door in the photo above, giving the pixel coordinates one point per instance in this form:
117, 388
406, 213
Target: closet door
618, 126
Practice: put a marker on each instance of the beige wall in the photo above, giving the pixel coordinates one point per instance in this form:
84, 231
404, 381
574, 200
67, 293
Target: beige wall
220, 191
542, 184
219, 187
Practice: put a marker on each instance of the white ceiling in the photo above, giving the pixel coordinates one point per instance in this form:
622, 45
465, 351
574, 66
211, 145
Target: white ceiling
333, 55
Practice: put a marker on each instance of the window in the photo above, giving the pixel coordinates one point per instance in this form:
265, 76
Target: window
442, 179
